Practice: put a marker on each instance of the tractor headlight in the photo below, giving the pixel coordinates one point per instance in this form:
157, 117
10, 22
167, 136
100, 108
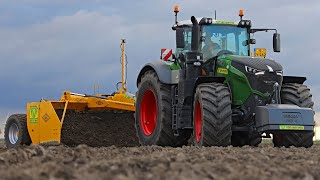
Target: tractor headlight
253, 70
244, 24
205, 21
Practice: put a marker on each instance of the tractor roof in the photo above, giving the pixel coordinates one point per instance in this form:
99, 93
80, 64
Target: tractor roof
189, 23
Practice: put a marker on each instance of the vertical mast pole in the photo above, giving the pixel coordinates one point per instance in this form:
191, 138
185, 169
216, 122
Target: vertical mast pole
123, 61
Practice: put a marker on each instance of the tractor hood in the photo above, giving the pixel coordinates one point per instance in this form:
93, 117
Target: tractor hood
262, 64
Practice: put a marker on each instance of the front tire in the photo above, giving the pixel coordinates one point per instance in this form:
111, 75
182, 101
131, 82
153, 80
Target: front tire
16, 131
297, 94
153, 118
212, 115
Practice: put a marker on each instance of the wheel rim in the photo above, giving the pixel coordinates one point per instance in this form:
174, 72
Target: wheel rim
198, 121
148, 112
13, 133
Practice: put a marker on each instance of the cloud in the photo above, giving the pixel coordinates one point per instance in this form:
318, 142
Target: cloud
72, 52
61, 50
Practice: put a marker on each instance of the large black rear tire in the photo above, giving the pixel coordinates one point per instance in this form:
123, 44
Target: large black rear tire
212, 115
297, 94
153, 119
16, 131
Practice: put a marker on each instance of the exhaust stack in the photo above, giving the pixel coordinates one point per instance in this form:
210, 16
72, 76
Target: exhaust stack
195, 35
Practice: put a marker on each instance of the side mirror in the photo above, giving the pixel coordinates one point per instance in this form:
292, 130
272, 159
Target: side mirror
249, 41
276, 42
180, 37
253, 41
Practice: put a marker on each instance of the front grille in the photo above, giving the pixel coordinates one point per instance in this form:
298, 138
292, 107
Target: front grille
263, 83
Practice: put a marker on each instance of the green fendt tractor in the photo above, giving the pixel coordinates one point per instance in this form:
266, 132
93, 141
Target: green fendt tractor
214, 93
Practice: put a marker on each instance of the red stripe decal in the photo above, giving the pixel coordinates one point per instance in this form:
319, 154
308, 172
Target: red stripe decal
167, 56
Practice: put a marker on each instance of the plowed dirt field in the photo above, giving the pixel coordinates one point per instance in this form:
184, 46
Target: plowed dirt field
128, 160
83, 162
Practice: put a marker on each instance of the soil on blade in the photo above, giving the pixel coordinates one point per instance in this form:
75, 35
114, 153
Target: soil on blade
83, 162
97, 129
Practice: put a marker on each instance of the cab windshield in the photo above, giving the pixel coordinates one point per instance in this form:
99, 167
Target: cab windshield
216, 38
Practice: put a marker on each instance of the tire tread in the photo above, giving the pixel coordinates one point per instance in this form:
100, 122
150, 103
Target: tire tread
216, 112
297, 94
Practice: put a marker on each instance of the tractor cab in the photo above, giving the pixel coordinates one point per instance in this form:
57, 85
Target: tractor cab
217, 37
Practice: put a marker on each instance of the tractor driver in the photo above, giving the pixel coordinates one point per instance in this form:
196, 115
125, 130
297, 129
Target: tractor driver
210, 48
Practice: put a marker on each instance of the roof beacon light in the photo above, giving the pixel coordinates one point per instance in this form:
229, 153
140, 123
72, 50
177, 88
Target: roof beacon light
176, 8
241, 13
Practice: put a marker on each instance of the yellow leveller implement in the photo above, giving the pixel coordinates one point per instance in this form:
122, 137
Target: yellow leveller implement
95, 120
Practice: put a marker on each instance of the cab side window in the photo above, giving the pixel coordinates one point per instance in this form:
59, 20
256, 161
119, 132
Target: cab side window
187, 40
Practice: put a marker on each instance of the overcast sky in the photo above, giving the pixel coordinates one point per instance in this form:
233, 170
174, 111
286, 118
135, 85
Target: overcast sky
48, 46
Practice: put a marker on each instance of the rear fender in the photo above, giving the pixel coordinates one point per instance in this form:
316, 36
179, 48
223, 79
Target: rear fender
163, 71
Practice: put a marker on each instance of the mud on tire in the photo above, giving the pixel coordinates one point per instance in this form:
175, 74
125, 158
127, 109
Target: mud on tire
16, 132
297, 94
153, 120
212, 115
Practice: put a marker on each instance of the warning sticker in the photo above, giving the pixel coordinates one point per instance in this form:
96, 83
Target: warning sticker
34, 114
291, 127
222, 71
